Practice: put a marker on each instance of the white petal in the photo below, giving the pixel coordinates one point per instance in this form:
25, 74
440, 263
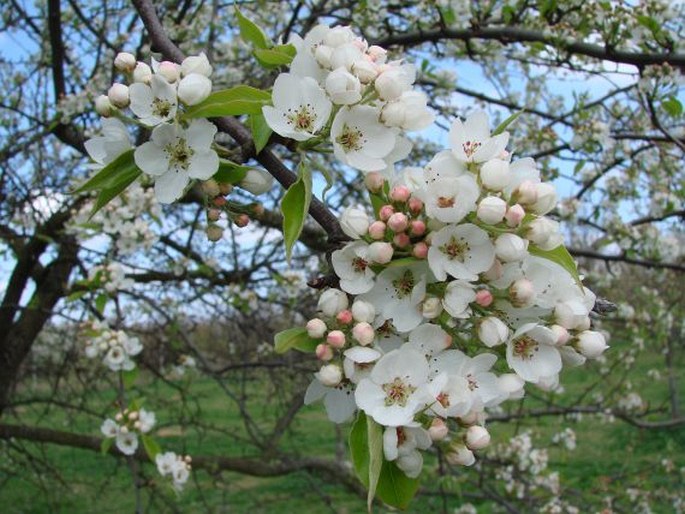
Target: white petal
203, 164
200, 134
170, 186
151, 159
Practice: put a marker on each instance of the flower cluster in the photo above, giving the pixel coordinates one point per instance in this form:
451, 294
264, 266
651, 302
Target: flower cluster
115, 347
156, 96
126, 426
457, 276
341, 89
176, 466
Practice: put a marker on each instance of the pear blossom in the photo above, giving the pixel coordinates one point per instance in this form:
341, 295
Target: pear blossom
461, 251
127, 442
338, 401
396, 388
450, 396
450, 199
359, 362
301, 108
257, 181
196, 64
531, 353
402, 445
351, 264
343, 88
458, 295
175, 155
394, 80
354, 222
111, 144
154, 104
471, 140
444, 165
360, 140
194, 88
408, 112
332, 301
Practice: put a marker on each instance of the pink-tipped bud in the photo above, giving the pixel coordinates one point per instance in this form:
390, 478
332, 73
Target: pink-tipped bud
521, 292
401, 240
241, 220
336, 339
324, 352
561, 335
377, 230
385, 212
400, 194
527, 192
417, 228
374, 182
420, 250
438, 430
363, 333
484, 298
169, 70
514, 215
219, 201
316, 328
344, 317
460, 456
415, 205
477, 437
380, 252
398, 222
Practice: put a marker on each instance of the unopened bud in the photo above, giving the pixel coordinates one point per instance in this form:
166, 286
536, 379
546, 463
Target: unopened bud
380, 252
374, 182
561, 335
401, 240
377, 230
316, 328
118, 95
511, 248
344, 317
521, 292
494, 174
385, 212
415, 205
398, 222
213, 214
242, 220
526, 193
194, 88
330, 375
460, 456
438, 430
336, 339
591, 344
214, 232
103, 106
477, 437
324, 352
400, 194
225, 188
417, 228
431, 307
514, 215
332, 301
211, 188
363, 311
125, 62
142, 73
492, 331
491, 210
363, 333
169, 71
420, 250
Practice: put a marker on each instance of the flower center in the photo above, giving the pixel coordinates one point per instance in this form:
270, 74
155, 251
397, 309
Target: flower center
445, 202
470, 147
525, 347
455, 249
473, 384
444, 399
397, 392
161, 108
404, 284
351, 138
359, 265
401, 436
302, 119
179, 154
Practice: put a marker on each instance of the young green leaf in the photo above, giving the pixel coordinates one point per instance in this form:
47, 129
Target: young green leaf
106, 444
107, 194
503, 126
294, 206
101, 302
375, 441
109, 175
151, 446
272, 58
235, 101
230, 172
560, 256
128, 377
261, 132
295, 338
251, 33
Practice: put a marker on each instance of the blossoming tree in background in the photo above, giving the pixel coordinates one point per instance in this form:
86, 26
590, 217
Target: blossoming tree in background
444, 290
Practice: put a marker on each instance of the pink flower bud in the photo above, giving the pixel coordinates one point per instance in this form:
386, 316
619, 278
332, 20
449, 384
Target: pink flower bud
484, 297
521, 292
438, 430
363, 333
401, 240
415, 205
561, 335
241, 220
400, 194
213, 214
118, 95
527, 192
385, 212
381, 252
420, 250
477, 437
316, 328
398, 222
336, 339
377, 230
417, 228
324, 352
169, 70
374, 182
344, 317
514, 215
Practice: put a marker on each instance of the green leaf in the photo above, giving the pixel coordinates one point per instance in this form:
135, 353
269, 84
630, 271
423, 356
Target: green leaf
106, 176
261, 132
375, 441
230, 172
672, 106
377, 201
101, 302
560, 256
251, 33
106, 195
294, 207
511, 119
128, 377
274, 57
76, 295
106, 444
394, 487
235, 101
295, 338
151, 446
